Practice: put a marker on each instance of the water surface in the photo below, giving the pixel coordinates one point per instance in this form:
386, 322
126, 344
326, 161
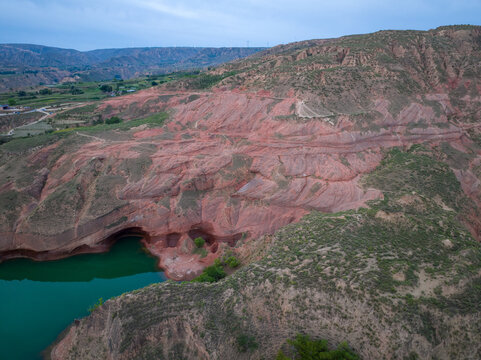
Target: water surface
40, 299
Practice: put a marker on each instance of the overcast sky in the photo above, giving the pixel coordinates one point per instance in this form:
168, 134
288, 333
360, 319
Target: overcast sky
94, 24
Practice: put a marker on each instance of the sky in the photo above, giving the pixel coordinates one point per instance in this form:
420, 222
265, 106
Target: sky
96, 24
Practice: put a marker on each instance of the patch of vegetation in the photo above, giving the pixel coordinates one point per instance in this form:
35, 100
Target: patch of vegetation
200, 251
397, 103
307, 349
189, 200
11, 202
59, 210
205, 81
199, 242
246, 343
152, 120
232, 262
85, 110
457, 159
414, 170
23, 144
113, 120
212, 273
95, 306
105, 200
136, 167
105, 88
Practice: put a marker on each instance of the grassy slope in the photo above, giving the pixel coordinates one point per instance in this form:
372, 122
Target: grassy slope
380, 278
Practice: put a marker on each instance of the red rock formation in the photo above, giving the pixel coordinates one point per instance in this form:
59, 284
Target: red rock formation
228, 165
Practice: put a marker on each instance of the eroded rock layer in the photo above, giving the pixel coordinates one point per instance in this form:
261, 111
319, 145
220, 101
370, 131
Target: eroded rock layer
227, 166
281, 135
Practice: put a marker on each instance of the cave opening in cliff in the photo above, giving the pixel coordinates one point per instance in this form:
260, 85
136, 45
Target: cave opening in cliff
214, 240
133, 232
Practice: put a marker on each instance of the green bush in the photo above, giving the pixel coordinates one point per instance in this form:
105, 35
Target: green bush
307, 349
75, 91
199, 242
211, 274
246, 343
113, 120
106, 88
232, 262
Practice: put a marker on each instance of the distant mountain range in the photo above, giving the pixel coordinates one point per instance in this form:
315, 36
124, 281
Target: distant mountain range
25, 65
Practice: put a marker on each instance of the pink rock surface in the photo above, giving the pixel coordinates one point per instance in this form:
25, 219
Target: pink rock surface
228, 166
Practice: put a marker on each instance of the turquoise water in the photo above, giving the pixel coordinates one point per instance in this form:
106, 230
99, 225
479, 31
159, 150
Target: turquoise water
40, 299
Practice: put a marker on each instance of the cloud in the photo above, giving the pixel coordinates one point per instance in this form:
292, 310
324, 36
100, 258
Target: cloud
89, 24
162, 7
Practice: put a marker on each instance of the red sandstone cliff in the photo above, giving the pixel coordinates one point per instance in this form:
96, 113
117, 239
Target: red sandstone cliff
259, 151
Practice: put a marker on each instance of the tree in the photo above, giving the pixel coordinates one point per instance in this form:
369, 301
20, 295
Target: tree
106, 88
22, 93
113, 120
45, 92
12, 102
75, 91
232, 262
199, 242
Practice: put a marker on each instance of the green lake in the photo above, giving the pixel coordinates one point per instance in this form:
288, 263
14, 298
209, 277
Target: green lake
40, 299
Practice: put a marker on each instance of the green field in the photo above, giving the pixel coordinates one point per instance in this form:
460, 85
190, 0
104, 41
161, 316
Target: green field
85, 91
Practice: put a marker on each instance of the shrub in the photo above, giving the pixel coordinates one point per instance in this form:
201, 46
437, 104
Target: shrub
106, 88
232, 262
45, 92
75, 91
246, 342
211, 274
307, 349
113, 120
199, 242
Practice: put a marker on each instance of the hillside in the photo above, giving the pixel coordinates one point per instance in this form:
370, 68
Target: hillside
24, 65
397, 281
345, 174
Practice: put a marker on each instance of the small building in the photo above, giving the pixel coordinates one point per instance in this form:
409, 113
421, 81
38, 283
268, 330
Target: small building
4, 107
